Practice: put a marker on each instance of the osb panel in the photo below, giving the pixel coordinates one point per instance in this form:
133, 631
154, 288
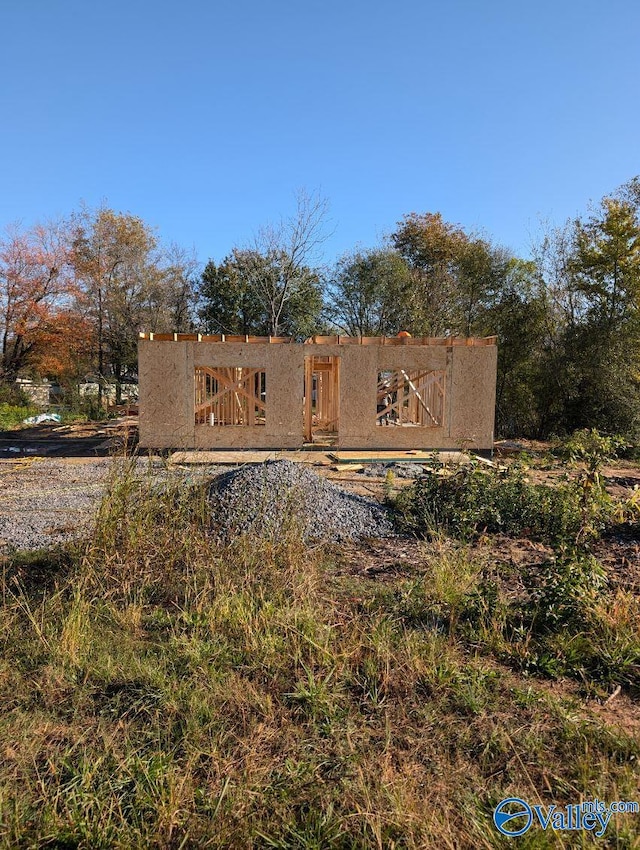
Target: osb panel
283, 365
239, 437
473, 396
165, 396
386, 437
412, 358
469, 397
359, 380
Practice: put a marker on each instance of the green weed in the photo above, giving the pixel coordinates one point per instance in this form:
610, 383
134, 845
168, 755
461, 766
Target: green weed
472, 500
12, 416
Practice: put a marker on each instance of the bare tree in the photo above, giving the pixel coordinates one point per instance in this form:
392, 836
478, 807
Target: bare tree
171, 301
291, 249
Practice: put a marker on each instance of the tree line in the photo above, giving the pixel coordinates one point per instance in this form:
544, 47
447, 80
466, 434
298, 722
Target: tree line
75, 293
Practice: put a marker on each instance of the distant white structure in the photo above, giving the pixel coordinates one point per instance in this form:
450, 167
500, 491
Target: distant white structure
90, 386
38, 392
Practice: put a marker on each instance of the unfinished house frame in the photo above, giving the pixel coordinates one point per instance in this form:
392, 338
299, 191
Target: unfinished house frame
217, 392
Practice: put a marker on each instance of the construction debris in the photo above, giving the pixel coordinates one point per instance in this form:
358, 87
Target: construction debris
42, 417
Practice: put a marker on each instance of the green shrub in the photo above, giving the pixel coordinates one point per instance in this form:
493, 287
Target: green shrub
472, 501
12, 415
565, 591
81, 408
13, 394
590, 447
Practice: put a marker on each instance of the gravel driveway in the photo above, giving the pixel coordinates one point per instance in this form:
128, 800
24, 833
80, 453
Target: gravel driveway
44, 501
49, 500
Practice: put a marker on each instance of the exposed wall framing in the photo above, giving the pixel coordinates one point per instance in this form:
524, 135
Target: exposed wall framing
229, 395
411, 398
321, 396
281, 394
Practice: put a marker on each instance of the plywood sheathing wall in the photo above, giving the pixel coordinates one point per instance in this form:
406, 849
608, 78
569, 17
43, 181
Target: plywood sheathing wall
359, 380
473, 397
283, 366
165, 396
167, 415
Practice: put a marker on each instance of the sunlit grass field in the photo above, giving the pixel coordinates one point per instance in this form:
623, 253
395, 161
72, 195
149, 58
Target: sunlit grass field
161, 690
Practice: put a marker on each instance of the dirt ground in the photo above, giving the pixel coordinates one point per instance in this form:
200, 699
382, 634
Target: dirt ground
52, 478
51, 487
85, 440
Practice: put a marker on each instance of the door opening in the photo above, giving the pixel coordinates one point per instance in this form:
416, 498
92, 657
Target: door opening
321, 399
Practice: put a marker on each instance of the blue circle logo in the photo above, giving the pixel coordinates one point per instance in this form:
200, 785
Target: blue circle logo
513, 816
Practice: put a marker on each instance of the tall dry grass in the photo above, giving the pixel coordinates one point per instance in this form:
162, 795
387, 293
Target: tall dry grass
160, 690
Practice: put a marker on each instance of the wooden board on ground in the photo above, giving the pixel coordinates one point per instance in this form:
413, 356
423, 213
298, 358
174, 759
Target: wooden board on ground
411, 456
239, 457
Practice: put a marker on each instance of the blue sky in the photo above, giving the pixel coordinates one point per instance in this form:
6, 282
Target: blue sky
204, 117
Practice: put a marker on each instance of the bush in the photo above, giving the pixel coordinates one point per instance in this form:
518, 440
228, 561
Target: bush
472, 501
81, 408
590, 447
564, 594
12, 415
13, 394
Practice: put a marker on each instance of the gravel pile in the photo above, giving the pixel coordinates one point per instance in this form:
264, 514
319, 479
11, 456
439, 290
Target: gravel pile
269, 499
46, 501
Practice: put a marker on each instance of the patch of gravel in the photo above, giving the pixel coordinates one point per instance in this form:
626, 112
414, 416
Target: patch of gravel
400, 470
50, 501
268, 499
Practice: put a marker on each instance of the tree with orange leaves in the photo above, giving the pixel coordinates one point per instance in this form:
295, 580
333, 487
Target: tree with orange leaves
36, 288
64, 347
128, 283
